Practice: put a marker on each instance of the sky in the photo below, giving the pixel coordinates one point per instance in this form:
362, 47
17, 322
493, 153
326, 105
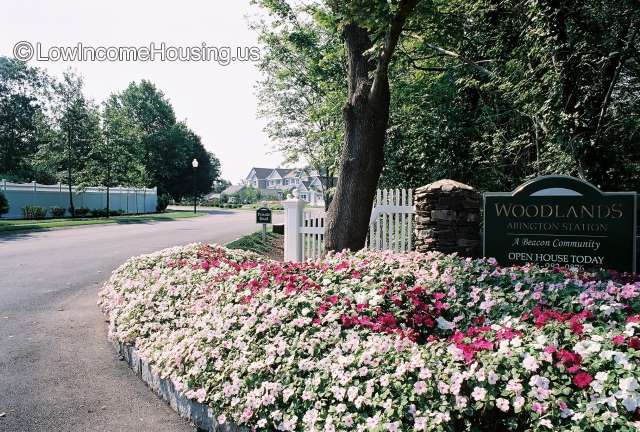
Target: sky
218, 102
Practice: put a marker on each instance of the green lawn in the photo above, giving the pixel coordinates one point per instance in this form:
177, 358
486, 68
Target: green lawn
253, 242
46, 224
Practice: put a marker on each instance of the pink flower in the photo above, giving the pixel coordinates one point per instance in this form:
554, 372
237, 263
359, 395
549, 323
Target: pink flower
538, 407
420, 387
618, 340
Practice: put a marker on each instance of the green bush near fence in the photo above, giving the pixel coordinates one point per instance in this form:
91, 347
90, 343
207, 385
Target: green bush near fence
80, 212
57, 212
34, 212
4, 204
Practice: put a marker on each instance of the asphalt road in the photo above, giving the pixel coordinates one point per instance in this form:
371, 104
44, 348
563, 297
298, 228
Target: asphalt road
58, 372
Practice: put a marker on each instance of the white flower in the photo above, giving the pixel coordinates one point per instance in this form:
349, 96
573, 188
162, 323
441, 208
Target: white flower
530, 363
547, 423
479, 393
631, 402
420, 387
628, 384
518, 403
539, 381
502, 404
444, 324
420, 424
601, 376
587, 347
492, 377
461, 402
455, 352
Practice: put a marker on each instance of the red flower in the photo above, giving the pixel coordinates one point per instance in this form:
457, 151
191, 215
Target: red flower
570, 360
582, 380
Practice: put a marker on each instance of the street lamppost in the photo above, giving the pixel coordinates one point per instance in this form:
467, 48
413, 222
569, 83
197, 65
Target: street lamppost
194, 164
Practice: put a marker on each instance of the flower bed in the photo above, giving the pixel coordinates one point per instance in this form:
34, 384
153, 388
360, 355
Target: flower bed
384, 342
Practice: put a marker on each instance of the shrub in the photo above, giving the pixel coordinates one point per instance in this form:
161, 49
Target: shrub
163, 202
380, 341
57, 212
98, 213
81, 212
34, 212
4, 204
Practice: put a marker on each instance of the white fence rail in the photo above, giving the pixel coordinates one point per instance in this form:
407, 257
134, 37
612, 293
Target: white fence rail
390, 226
130, 200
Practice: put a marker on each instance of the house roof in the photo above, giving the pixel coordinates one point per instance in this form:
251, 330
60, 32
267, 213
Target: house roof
279, 173
261, 173
233, 189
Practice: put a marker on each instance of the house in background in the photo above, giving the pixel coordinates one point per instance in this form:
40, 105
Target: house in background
282, 180
257, 178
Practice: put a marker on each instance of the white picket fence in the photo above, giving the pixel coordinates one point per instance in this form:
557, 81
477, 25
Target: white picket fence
390, 226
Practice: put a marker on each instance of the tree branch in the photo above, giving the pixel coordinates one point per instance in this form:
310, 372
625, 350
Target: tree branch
453, 54
397, 25
612, 84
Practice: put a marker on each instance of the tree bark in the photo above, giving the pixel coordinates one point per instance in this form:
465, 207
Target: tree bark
72, 208
366, 116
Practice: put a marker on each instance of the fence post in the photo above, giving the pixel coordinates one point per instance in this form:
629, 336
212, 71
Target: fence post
293, 211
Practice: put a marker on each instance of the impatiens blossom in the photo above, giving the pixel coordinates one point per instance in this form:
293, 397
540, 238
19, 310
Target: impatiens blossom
502, 404
582, 380
378, 341
479, 393
530, 363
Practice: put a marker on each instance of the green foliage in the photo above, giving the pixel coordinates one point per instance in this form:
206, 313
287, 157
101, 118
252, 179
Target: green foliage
486, 92
253, 242
57, 212
34, 212
4, 204
23, 100
81, 212
50, 131
303, 92
163, 202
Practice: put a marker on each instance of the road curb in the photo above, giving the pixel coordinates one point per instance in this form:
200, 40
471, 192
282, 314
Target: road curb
201, 415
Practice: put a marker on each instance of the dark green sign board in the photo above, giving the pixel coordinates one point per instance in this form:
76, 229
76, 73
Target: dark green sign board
263, 215
559, 220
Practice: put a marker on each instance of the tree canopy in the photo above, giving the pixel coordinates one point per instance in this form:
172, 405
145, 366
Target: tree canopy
488, 92
50, 131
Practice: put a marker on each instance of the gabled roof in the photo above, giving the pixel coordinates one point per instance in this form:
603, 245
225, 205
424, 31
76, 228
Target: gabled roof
261, 173
304, 186
233, 189
294, 173
279, 173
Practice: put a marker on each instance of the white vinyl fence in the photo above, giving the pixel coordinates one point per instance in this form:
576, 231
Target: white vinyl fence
130, 200
390, 226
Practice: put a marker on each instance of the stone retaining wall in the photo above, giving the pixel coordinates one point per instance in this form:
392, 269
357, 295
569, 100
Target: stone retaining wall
201, 415
448, 218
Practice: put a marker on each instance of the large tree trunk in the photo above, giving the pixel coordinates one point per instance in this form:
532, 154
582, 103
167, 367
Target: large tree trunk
366, 119
366, 115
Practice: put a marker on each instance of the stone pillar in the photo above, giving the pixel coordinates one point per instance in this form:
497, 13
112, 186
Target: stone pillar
448, 218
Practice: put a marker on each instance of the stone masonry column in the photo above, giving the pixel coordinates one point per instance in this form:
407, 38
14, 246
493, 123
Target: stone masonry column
448, 218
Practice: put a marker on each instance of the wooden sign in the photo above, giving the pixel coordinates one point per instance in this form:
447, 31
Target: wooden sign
560, 220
